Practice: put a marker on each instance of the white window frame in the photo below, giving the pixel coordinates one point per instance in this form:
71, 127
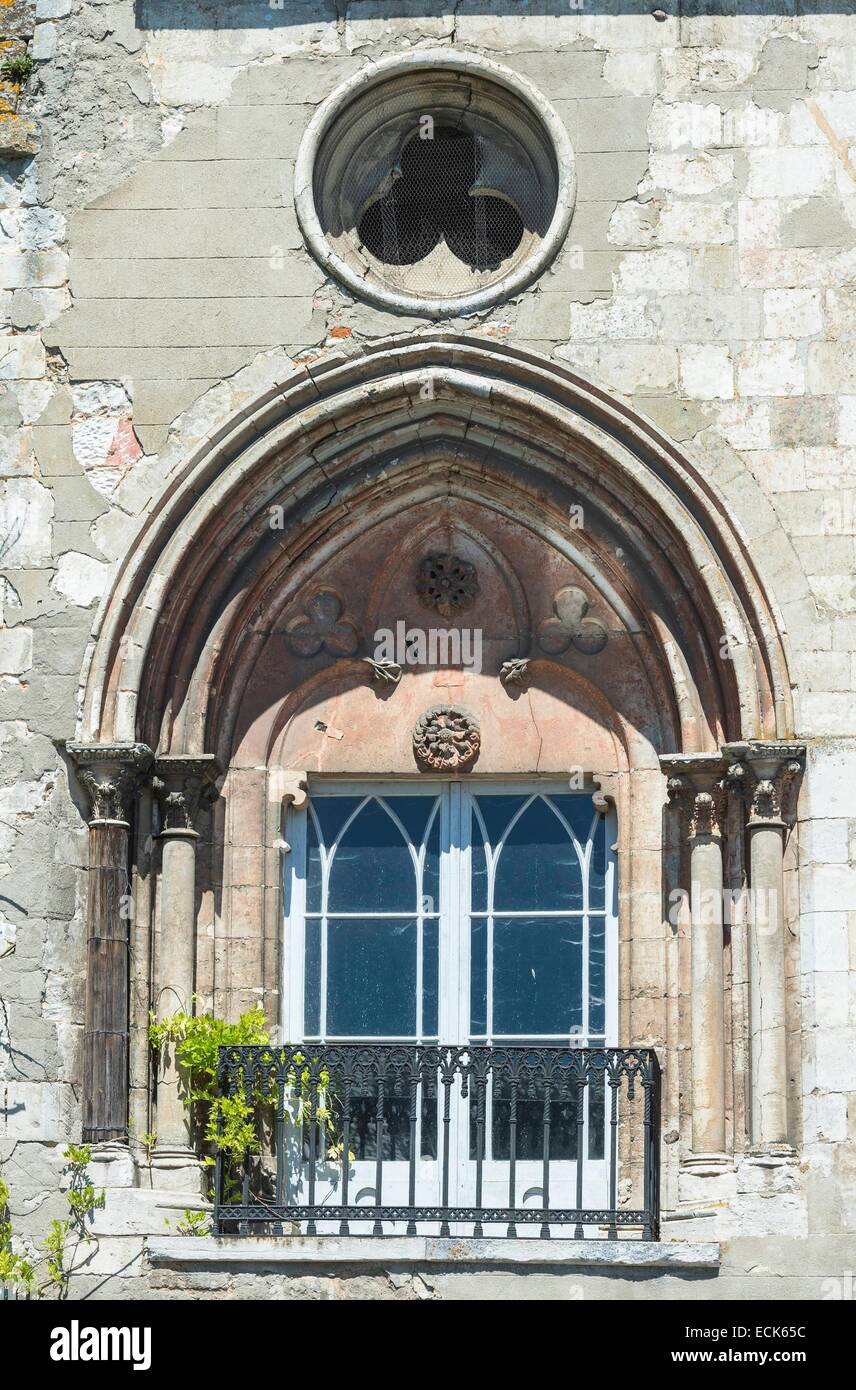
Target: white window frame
455, 906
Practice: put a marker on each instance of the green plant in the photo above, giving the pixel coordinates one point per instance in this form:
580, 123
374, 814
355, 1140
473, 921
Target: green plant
232, 1125
14, 1269
58, 1260
17, 69
192, 1223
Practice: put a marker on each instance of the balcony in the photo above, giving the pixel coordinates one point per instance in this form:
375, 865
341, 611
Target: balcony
403, 1139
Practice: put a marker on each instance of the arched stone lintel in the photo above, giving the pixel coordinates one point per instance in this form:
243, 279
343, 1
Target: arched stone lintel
384, 380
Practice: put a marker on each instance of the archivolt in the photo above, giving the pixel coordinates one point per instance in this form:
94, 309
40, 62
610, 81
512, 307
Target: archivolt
345, 440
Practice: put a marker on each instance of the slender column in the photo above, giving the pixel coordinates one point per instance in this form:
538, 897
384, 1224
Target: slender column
109, 774
696, 784
766, 776
179, 783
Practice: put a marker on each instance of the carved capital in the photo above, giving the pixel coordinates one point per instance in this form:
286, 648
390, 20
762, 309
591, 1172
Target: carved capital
179, 783
110, 774
766, 775
696, 785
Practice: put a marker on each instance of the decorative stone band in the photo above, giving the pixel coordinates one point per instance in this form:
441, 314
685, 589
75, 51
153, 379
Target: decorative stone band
696, 786
110, 774
766, 775
180, 783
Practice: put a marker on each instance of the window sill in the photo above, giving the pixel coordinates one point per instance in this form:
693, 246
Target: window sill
383, 1251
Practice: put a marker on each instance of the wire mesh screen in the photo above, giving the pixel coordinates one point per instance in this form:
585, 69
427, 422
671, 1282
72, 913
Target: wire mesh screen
436, 192
439, 196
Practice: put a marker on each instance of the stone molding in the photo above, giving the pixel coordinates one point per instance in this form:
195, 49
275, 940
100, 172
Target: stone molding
270, 437
418, 66
110, 774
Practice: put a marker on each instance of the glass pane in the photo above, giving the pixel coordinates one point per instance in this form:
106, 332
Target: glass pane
362, 1135
371, 978
431, 868
372, 870
332, 812
538, 869
537, 976
497, 812
478, 869
413, 812
478, 977
313, 865
312, 979
528, 1111
597, 975
430, 977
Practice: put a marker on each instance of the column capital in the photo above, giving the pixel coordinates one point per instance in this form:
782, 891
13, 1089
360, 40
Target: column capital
110, 774
765, 773
696, 785
180, 782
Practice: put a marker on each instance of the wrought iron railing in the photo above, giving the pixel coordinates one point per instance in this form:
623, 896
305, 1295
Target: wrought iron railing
387, 1138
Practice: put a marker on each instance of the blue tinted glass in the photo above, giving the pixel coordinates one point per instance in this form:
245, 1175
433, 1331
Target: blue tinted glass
597, 975
332, 812
478, 977
578, 812
478, 869
372, 870
430, 978
538, 869
413, 812
431, 868
537, 976
371, 978
313, 866
497, 812
312, 979
597, 871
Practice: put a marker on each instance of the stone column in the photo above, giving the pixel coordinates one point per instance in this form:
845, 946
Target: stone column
766, 776
109, 774
696, 783
179, 783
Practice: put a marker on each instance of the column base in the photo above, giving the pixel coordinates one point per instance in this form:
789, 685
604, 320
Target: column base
112, 1164
704, 1164
176, 1168
772, 1154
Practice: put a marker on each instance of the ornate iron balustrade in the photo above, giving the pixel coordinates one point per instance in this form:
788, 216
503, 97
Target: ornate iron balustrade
383, 1137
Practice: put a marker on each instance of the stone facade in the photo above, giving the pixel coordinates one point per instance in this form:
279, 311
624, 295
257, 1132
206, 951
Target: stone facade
692, 347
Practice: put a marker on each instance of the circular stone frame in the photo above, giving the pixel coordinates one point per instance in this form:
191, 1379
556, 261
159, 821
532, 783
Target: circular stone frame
421, 64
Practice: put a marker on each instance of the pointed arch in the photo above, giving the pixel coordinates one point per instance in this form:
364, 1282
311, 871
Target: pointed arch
350, 439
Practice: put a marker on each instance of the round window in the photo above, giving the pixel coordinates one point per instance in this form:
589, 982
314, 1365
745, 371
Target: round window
435, 184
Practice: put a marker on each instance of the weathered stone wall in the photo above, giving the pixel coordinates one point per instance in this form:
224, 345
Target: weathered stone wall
150, 252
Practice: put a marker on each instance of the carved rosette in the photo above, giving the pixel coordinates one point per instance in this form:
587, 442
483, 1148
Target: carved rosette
179, 783
446, 738
766, 778
697, 787
446, 582
110, 774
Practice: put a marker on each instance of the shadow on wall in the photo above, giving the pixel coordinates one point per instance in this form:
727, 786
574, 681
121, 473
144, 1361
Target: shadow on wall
275, 14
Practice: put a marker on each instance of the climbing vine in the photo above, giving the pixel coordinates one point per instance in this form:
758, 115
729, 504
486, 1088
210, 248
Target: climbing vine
231, 1125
